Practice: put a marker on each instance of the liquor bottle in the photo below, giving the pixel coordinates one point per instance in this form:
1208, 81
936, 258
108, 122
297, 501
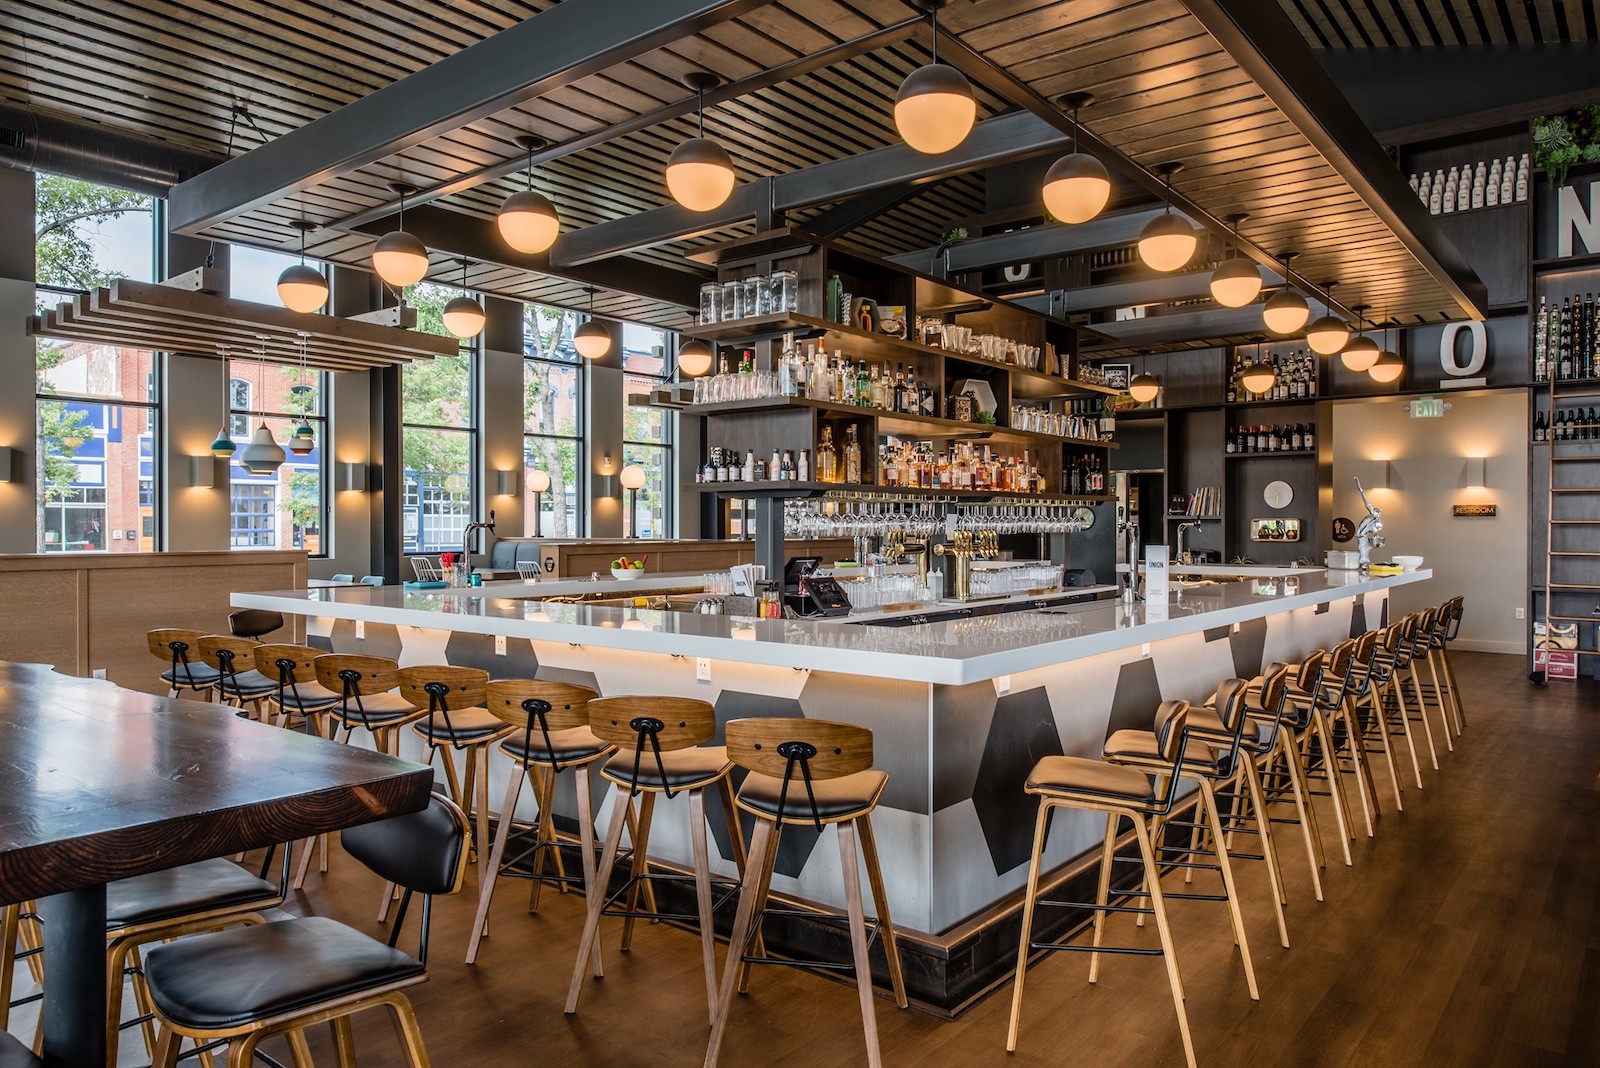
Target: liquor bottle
925, 401
1471, 193
1425, 188
1541, 334
1450, 184
835, 298
1491, 193
1230, 443
863, 385
1508, 180
1586, 331
802, 471
1436, 197
1522, 178
827, 458
1594, 343
1564, 357
852, 456
1308, 440
1413, 181
1541, 430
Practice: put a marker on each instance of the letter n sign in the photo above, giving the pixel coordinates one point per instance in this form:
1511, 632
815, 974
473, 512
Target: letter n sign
1571, 218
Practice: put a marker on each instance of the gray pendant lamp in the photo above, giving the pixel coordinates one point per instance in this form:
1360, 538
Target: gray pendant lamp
399, 258
591, 339
527, 220
1167, 242
1237, 280
1286, 311
1362, 352
1076, 187
263, 455
1327, 334
935, 107
302, 288
700, 172
463, 316
1389, 366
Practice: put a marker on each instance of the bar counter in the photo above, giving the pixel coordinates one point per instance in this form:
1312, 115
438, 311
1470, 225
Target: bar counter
960, 710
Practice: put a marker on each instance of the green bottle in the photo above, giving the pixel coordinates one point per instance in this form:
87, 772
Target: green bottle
835, 298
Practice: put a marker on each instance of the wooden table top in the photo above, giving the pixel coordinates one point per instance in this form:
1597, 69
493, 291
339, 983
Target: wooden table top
98, 783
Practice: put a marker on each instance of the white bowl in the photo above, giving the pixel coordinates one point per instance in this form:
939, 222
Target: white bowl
1410, 563
627, 574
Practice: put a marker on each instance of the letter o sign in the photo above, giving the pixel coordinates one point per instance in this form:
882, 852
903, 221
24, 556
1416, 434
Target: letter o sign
1477, 349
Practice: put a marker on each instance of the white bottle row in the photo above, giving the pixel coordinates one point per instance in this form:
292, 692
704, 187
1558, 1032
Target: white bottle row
1470, 186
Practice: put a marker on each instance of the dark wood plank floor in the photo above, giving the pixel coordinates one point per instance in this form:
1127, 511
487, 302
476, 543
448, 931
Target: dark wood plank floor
1467, 933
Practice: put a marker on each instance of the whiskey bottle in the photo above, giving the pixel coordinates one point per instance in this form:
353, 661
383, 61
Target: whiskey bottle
852, 456
827, 458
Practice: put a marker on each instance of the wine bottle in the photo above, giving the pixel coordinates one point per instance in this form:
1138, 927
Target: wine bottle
1541, 351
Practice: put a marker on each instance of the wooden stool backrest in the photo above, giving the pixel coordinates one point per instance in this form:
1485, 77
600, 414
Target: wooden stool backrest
1171, 719
1275, 687
1456, 607
444, 687
1308, 677
352, 675
287, 665
639, 724
784, 748
540, 706
1231, 704
228, 654
173, 645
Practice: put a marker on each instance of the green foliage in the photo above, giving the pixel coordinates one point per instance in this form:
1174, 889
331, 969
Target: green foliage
544, 330
65, 250
436, 393
58, 423
1559, 141
303, 502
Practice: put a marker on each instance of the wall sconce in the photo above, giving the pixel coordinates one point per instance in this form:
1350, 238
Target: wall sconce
203, 471
538, 483
633, 479
608, 468
6, 455
505, 483
1377, 474
1476, 475
352, 477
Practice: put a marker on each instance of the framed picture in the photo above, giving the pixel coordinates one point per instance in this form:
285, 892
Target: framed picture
1117, 375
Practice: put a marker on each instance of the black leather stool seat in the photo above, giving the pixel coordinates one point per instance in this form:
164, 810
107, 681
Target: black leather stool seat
196, 673
305, 697
234, 977
377, 709
1142, 746
572, 746
687, 769
466, 725
1091, 778
13, 1054
843, 798
246, 684
183, 891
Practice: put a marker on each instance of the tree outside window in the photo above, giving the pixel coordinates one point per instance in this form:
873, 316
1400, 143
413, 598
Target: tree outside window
647, 432
439, 434
552, 419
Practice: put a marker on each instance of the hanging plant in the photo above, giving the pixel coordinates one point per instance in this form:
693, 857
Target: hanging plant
1561, 140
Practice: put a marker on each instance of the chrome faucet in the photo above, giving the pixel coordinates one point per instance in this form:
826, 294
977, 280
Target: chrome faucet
1128, 527
466, 538
1183, 528
1368, 537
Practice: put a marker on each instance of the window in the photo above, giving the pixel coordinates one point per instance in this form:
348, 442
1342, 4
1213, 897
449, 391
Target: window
253, 273
552, 419
282, 510
647, 432
439, 435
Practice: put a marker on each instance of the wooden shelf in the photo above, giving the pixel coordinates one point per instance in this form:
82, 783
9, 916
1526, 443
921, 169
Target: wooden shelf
1298, 402
1179, 517
815, 489
1278, 455
932, 426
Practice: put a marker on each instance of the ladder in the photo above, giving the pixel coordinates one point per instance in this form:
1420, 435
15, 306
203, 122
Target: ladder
1572, 517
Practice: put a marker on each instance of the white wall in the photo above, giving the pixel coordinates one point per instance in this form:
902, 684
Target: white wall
1482, 559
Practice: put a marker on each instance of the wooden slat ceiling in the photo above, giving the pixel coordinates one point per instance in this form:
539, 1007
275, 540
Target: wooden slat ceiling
1441, 23
1166, 91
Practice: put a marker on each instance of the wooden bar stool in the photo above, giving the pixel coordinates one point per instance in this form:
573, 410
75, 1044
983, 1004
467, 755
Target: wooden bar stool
659, 752
238, 681
1421, 651
1208, 767
180, 651
1283, 752
457, 721
254, 623
809, 772
296, 691
367, 701
1374, 678
1447, 627
244, 985
1119, 792
553, 719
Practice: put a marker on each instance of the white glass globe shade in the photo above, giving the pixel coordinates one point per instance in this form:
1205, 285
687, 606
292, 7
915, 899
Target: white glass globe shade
528, 222
935, 109
1167, 243
400, 259
1076, 188
700, 174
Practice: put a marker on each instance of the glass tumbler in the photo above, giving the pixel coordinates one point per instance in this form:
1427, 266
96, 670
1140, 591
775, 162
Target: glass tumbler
710, 303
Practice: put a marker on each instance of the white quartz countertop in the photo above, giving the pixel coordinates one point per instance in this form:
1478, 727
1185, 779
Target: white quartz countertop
949, 652
1224, 570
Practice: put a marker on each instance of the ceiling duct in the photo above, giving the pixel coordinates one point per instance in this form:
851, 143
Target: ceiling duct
35, 140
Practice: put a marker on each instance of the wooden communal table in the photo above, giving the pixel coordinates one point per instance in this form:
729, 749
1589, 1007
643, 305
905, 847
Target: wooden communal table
98, 783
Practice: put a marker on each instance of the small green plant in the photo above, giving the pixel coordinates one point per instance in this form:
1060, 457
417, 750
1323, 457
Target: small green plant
987, 418
1561, 140
1241, 561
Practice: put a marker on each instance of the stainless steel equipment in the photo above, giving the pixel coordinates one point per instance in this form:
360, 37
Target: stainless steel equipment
1367, 532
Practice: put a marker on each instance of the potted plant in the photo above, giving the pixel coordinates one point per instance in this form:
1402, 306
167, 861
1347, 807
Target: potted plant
1561, 140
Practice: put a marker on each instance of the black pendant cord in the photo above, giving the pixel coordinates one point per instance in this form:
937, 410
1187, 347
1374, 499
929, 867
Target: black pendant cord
530, 166
700, 108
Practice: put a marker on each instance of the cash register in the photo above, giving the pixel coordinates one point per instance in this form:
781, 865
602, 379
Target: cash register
809, 594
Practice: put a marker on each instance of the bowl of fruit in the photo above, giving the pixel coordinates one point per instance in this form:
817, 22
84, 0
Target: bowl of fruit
626, 569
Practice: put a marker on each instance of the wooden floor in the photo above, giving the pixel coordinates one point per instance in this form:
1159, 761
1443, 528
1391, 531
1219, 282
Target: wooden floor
1467, 933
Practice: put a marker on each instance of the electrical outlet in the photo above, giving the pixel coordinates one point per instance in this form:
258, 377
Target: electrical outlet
702, 669
1236, 628
1144, 650
1519, 613
98, 673
361, 630
1002, 685
499, 645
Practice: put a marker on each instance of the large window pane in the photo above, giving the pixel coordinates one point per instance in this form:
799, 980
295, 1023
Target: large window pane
284, 509
647, 432
552, 409
655, 497
253, 273
550, 400
438, 489
88, 234
97, 477
558, 506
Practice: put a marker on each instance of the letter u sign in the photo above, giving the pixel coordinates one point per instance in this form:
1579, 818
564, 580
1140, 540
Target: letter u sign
1477, 349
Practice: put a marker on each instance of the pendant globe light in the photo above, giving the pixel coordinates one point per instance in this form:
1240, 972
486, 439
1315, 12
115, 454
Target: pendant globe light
591, 339
1286, 311
1237, 280
1167, 241
700, 172
1389, 366
1260, 376
1076, 187
1327, 334
463, 316
400, 259
1144, 388
1362, 352
527, 220
302, 288
694, 357
935, 107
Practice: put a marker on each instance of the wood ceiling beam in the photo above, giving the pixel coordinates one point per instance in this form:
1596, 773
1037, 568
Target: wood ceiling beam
552, 49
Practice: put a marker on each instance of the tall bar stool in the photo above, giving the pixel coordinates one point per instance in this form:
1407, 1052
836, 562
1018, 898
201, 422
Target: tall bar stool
1282, 751
296, 693
1374, 678
238, 681
247, 984
660, 751
367, 701
1120, 792
1421, 651
254, 623
553, 718
456, 721
180, 651
1208, 766
1447, 627
809, 772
